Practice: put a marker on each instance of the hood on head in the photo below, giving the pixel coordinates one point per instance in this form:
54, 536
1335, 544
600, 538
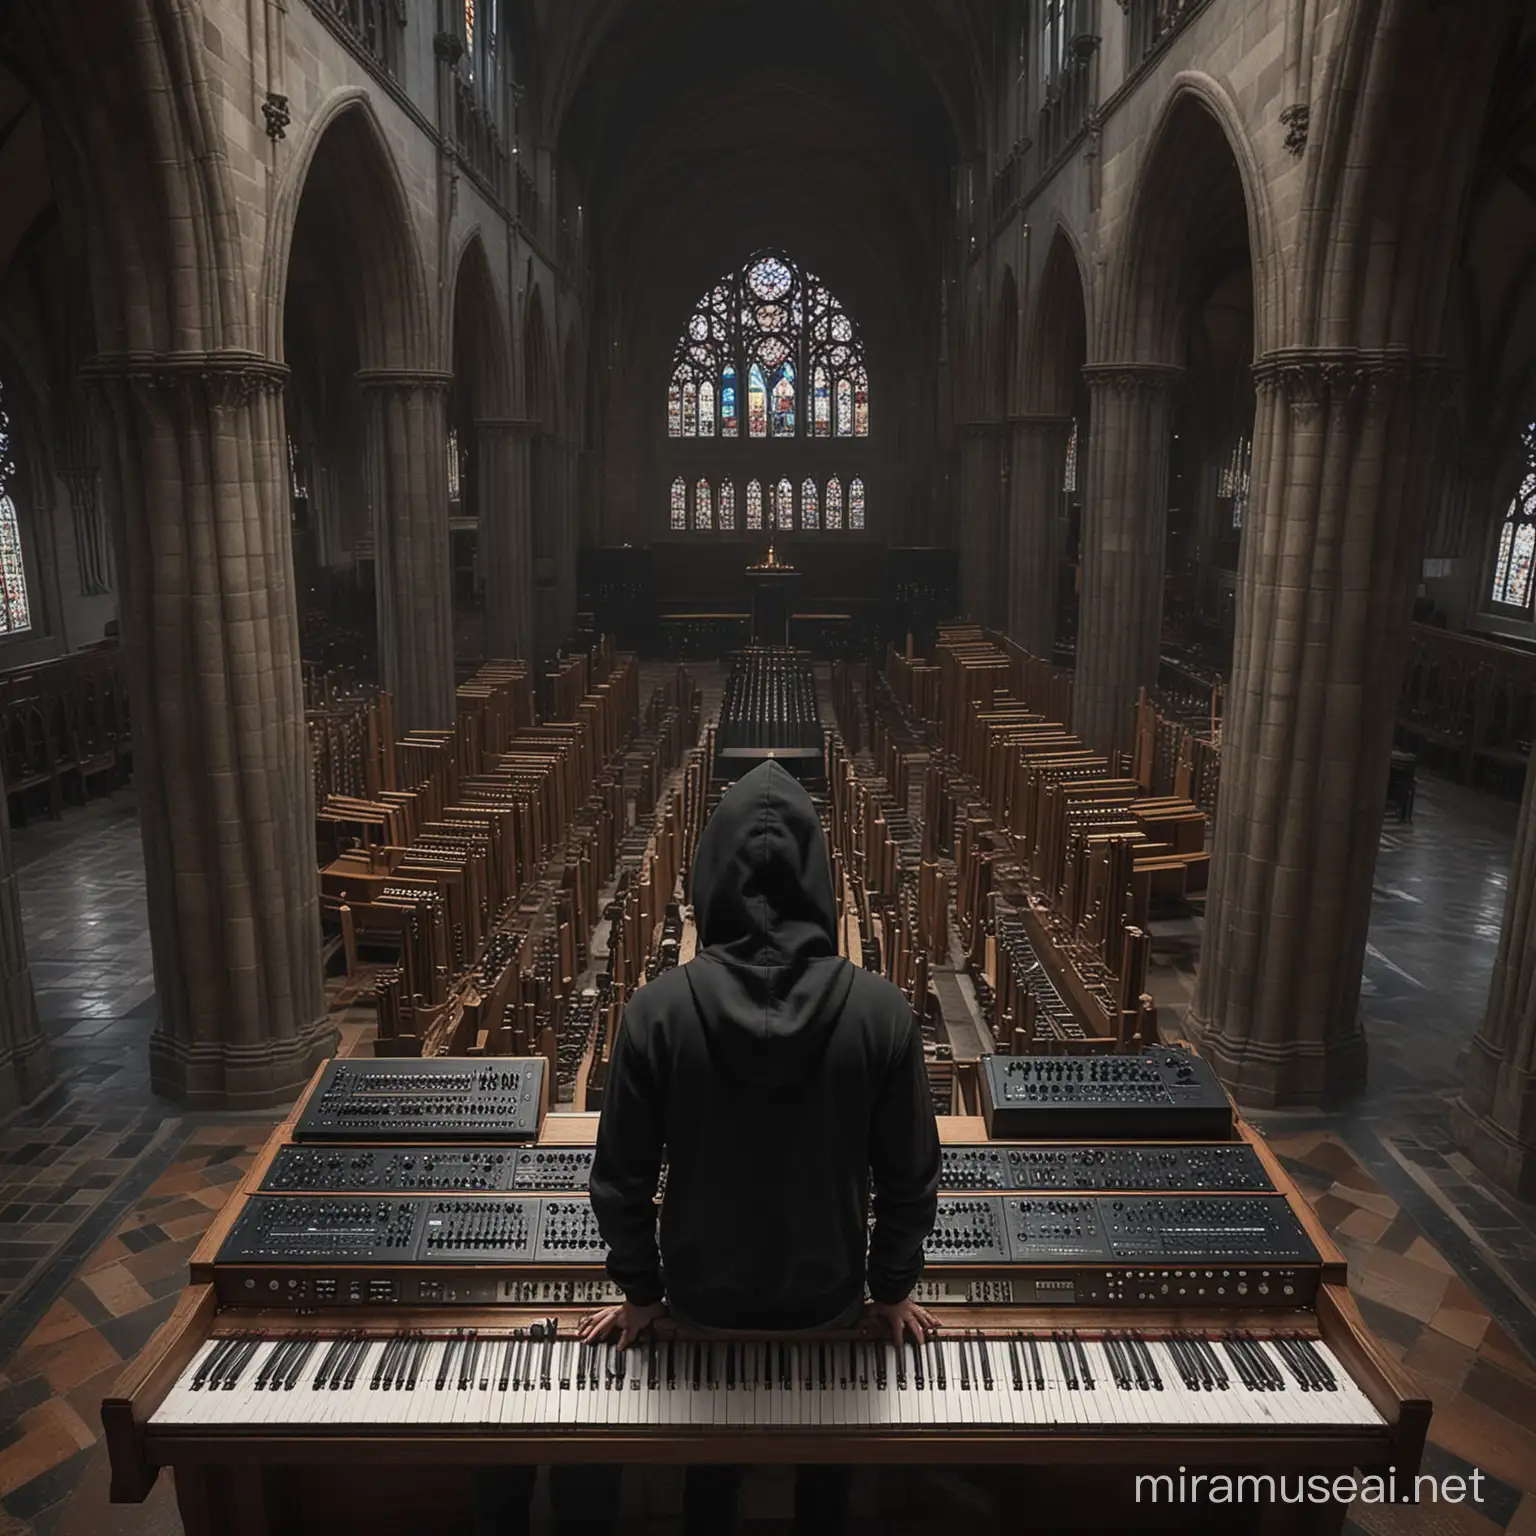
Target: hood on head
768, 982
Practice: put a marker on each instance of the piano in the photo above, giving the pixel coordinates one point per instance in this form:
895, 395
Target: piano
366, 1322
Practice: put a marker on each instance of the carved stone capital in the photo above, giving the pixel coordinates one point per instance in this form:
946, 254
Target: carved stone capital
1339, 379
405, 380
220, 380
1132, 378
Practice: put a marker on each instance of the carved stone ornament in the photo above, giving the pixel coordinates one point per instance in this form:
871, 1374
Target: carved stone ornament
406, 380
1344, 378
1127, 378
217, 380
448, 47
275, 110
1297, 120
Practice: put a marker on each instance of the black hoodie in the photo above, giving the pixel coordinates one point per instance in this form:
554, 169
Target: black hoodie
776, 1077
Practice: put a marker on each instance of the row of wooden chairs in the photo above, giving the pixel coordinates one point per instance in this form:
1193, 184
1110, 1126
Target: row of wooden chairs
65, 730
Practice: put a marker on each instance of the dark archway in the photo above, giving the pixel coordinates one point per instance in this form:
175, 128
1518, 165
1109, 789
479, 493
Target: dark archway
352, 304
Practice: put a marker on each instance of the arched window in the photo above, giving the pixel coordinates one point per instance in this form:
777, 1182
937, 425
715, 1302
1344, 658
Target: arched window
856, 505
1232, 484
754, 505
1512, 570
809, 516
773, 332
727, 507
784, 499
15, 611
679, 506
455, 468
834, 503
703, 506
1069, 476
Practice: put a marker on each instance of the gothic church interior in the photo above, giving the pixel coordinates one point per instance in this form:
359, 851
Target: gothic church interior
444, 442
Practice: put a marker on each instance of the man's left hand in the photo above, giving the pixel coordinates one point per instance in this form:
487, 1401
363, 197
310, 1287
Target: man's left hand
630, 1320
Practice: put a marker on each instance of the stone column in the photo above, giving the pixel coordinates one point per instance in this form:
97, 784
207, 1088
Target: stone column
506, 536
194, 473
1039, 457
25, 1067
405, 455
1331, 552
1494, 1120
1125, 538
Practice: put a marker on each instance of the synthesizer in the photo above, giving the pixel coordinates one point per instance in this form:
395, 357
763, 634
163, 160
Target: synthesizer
341, 1354
335, 1168
1225, 1165
489, 1098
1159, 1093
413, 1250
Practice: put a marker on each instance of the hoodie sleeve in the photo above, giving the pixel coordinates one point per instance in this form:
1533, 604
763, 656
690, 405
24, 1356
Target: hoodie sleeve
904, 1160
626, 1168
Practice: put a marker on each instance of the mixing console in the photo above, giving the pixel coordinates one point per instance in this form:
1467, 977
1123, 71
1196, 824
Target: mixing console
1231, 1165
491, 1231
427, 1169
442, 1099
1164, 1092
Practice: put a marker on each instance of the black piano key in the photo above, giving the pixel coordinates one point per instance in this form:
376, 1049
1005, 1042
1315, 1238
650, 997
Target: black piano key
652, 1380
965, 1364
467, 1360
236, 1366
938, 1372
271, 1358
1212, 1363
1234, 1353
863, 1365
450, 1348
1118, 1354
1084, 1370
1034, 1359
1013, 1364
210, 1363
786, 1370
901, 1367
355, 1362
298, 1362
1302, 1376
694, 1352
1153, 1374
620, 1363
1264, 1364
1189, 1372
1068, 1364
504, 1363
384, 1365
730, 1365
917, 1366
821, 1364
1309, 1352
547, 1360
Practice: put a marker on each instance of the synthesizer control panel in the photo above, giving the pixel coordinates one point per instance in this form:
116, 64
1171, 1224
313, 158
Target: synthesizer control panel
1224, 1165
318, 1250
1164, 1092
446, 1170
483, 1099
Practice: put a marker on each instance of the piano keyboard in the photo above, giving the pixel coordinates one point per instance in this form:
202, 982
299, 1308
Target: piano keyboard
1066, 1381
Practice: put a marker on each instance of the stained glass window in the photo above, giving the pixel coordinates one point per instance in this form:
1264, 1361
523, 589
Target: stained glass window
784, 499
856, 505
679, 506
15, 611
728, 403
754, 505
703, 506
727, 507
809, 516
455, 468
1512, 571
757, 403
1232, 485
1069, 478
773, 332
834, 503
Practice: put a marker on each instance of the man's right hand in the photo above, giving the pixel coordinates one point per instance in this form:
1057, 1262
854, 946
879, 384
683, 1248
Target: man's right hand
904, 1317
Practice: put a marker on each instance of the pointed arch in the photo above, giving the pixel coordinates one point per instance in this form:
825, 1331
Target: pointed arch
345, 178
1056, 345
481, 359
1200, 201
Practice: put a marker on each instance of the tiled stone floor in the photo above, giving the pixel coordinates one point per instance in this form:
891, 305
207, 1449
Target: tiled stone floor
106, 1189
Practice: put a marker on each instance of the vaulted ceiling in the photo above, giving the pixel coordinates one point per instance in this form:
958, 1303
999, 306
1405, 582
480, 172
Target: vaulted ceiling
703, 129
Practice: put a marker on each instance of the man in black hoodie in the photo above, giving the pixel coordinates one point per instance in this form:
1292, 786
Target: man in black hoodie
777, 1078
